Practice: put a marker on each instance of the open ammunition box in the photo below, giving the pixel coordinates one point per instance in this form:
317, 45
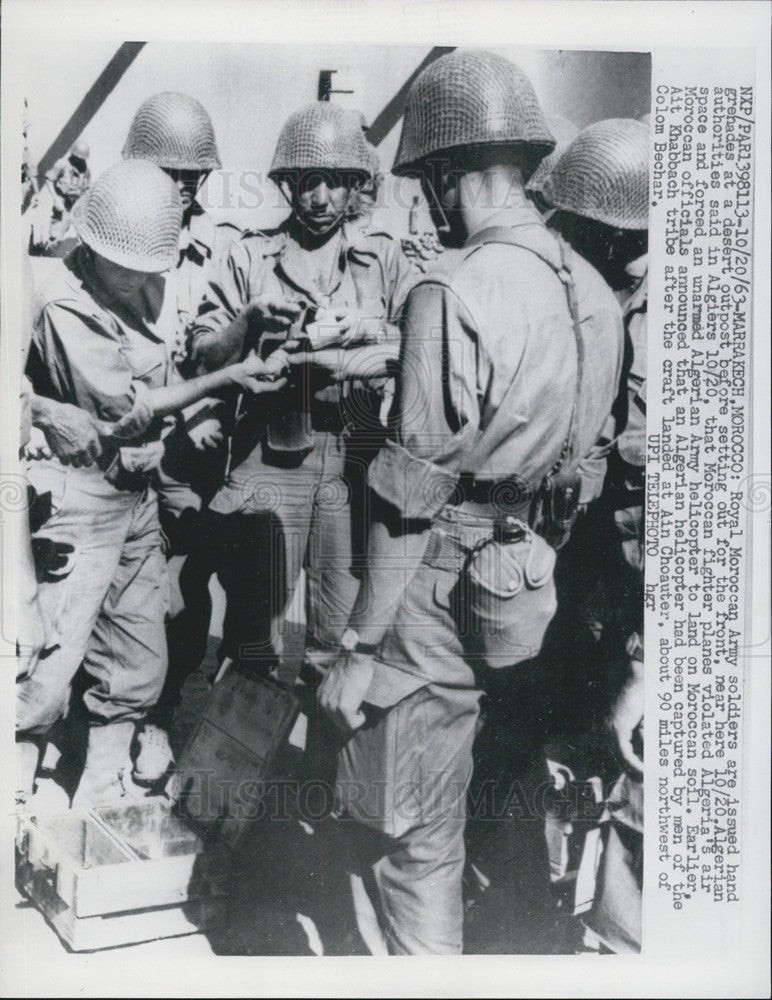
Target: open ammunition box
121, 875
222, 770
131, 873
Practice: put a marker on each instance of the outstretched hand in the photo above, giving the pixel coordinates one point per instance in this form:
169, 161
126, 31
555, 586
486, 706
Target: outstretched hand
273, 313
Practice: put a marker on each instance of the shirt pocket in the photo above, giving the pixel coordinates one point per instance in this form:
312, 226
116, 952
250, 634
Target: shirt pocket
148, 364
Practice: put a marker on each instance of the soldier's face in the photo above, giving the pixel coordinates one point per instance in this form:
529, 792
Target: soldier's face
320, 200
188, 184
120, 283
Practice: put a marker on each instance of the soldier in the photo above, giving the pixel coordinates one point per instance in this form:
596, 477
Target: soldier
600, 195
51, 231
600, 189
175, 132
295, 489
97, 346
492, 411
365, 202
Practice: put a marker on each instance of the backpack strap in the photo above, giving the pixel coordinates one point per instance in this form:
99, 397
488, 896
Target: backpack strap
560, 264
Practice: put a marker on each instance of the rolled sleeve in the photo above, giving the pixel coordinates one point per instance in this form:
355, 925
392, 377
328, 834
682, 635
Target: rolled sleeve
417, 488
226, 296
84, 363
401, 278
436, 415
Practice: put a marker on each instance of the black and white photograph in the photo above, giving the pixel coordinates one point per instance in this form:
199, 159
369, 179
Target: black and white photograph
334, 547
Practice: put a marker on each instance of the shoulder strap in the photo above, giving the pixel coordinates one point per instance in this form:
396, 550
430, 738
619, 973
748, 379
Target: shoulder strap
560, 264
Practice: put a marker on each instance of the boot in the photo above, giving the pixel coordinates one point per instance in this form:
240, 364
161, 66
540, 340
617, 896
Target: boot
106, 778
155, 756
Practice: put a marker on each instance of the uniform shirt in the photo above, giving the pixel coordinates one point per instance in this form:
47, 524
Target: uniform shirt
203, 247
370, 274
94, 353
489, 330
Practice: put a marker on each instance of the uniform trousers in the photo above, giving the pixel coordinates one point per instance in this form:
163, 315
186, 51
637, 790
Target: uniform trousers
106, 609
272, 521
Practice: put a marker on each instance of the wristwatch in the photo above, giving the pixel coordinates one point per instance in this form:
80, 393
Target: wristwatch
351, 643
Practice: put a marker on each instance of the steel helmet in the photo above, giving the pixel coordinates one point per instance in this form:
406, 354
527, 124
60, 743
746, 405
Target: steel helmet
470, 98
604, 174
132, 215
175, 132
565, 132
80, 150
321, 136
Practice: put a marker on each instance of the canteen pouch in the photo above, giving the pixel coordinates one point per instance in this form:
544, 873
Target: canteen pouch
556, 506
510, 598
288, 435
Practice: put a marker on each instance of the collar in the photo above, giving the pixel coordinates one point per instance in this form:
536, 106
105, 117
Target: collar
197, 239
140, 314
523, 214
283, 246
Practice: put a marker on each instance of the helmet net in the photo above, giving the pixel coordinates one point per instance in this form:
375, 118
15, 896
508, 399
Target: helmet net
132, 216
321, 136
565, 132
469, 98
604, 174
174, 131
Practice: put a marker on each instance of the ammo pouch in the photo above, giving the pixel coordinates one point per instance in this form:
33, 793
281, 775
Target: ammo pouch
288, 437
288, 430
555, 507
509, 596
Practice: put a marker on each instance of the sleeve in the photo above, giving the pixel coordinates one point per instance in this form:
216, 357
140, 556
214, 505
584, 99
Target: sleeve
78, 363
436, 413
226, 296
401, 278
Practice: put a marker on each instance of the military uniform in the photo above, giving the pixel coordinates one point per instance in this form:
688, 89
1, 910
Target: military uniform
603, 178
189, 477
302, 510
488, 326
108, 611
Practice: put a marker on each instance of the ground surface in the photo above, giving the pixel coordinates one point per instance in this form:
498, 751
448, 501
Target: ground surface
288, 883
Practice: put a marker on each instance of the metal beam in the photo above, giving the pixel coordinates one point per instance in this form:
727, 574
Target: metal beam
91, 103
394, 110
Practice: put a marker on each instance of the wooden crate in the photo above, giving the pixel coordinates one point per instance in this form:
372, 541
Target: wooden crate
111, 877
222, 769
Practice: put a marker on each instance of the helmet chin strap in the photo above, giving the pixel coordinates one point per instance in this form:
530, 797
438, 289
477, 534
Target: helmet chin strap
437, 205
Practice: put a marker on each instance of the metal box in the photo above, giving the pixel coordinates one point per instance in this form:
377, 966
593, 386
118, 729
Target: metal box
221, 772
114, 876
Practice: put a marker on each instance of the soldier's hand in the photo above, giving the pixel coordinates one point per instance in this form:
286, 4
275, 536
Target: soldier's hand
37, 446
331, 360
131, 425
348, 326
343, 690
72, 434
272, 313
207, 434
256, 376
